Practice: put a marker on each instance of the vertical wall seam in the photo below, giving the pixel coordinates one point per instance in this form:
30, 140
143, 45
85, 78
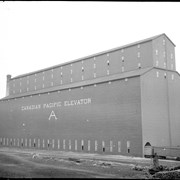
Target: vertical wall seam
167, 86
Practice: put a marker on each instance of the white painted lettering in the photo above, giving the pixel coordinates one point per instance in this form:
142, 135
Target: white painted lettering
52, 115
56, 104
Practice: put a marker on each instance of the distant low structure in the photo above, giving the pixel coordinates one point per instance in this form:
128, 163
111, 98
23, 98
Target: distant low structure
113, 102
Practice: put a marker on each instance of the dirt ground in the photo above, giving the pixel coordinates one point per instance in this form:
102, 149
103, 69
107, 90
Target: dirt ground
41, 164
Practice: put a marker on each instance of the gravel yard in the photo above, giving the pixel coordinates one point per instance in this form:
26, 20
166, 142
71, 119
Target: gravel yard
16, 163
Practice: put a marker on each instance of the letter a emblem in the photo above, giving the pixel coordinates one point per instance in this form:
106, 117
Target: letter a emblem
52, 115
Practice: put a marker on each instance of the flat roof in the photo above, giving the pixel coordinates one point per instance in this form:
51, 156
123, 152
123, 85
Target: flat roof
91, 56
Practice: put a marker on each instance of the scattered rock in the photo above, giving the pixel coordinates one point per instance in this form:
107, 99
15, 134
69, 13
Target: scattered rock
35, 155
174, 168
105, 164
74, 159
167, 174
137, 168
140, 168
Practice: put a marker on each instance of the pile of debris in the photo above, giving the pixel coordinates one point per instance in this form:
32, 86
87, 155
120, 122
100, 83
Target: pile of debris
160, 172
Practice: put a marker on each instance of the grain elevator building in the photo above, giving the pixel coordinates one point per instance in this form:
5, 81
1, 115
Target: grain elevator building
112, 102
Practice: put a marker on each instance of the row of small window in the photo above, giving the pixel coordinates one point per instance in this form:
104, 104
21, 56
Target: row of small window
109, 82
164, 54
64, 144
165, 66
61, 74
61, 81
82, 69
165, 75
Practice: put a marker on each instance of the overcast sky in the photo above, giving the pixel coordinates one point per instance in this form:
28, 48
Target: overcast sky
37, 35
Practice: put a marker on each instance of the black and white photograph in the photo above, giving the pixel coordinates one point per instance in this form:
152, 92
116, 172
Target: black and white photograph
90, 89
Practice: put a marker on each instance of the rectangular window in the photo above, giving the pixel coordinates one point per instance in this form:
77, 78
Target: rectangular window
123, 69
164, 53
122, 58
164, 75
164, 64
76, 145
157, 74
96, 145
128, 146
58, 144
119, 146
48, 143
82, 69
89, 145
171, 56
22, 142
94, 75
43, 143
156, 52
157, 63
138, 54
82, 145
164, 41
4, 141
111, 146
34, 143
11, 142
69, 144
25, 142
38, 143
103, 146
64, 144
29, 142
53, 143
